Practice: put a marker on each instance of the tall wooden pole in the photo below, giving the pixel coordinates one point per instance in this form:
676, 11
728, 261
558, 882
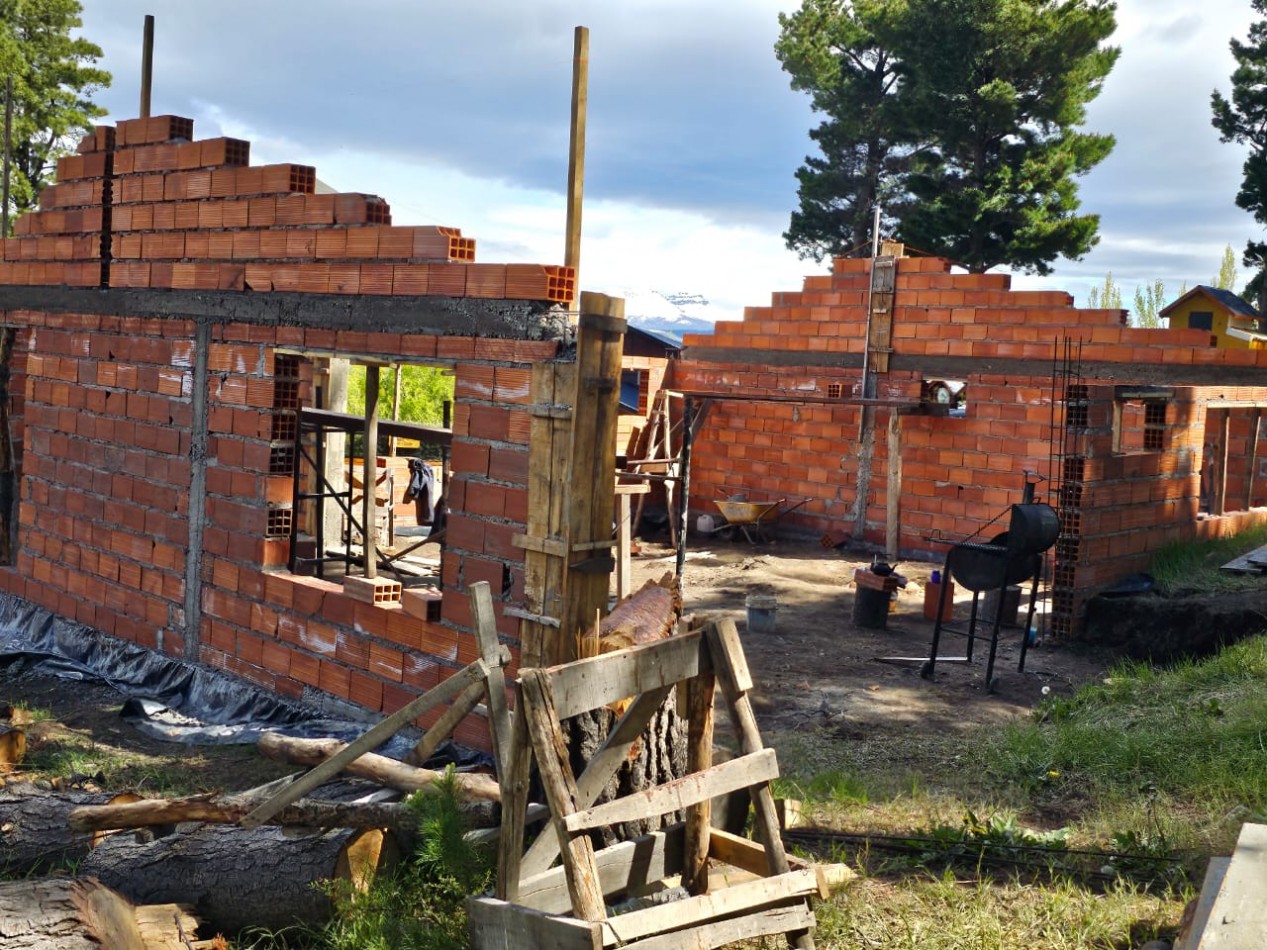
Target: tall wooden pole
369, 472
147, 65
8, 152
576, 151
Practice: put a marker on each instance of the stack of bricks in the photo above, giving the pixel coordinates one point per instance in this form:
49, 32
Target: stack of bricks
144, 205
67, 240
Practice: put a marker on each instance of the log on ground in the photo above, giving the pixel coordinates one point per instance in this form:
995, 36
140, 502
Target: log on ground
84, 914
236, 878
34, 835
379, 768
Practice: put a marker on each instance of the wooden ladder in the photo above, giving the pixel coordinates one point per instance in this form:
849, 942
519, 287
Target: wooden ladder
543, 908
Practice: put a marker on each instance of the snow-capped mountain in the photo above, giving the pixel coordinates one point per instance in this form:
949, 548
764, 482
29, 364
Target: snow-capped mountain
670, 314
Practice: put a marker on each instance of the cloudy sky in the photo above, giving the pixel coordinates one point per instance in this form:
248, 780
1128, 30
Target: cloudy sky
457, 114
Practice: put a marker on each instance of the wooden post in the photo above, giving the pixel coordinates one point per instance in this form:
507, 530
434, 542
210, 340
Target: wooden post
576, 150
369, 473
147, 65
545, 565
556, 778
699, 753
592, 479
893, 508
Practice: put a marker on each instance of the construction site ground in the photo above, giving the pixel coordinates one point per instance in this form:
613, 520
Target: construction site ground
824, 696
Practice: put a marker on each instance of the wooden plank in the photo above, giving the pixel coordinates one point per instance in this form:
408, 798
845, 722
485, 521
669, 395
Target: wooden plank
592, 477
693, 911
624, 542
576, 150
514, 789
630, 866
495, 682
543, 545
725, 660
741, 676
598, 772
446, 692
462, 707
893, 489
1191, 932
560, 790
796, 918
747, 770
596, 681
1238, 919
750, 856
545, 575
699, 759
498, 925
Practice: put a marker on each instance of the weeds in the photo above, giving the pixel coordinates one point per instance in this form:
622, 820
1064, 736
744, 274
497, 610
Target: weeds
422, 906
1193, 566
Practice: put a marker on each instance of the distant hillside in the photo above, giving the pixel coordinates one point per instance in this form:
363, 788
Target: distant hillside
670, 314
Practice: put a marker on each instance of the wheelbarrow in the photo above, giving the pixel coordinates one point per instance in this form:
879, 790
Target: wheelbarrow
753, 517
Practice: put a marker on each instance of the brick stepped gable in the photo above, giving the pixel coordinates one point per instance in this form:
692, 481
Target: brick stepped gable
938, 313
144, 205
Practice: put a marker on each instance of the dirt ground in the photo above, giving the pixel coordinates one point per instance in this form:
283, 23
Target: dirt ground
818, 676
819, 673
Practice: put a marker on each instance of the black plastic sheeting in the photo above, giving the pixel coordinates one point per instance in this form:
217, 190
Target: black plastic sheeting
177, 701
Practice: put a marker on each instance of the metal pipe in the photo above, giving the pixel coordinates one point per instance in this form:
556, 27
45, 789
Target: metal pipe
684, 486
147, 65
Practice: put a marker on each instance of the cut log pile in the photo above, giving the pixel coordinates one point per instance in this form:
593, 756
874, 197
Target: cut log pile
253, 858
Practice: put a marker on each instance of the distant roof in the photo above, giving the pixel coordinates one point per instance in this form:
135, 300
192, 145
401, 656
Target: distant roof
1225, 298
658, 336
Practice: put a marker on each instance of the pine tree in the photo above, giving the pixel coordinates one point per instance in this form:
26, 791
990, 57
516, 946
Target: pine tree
1000, 89
54, 80
1243, 119
832, 50
967, 112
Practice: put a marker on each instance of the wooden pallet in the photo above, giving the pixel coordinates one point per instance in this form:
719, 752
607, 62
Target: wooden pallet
543, 908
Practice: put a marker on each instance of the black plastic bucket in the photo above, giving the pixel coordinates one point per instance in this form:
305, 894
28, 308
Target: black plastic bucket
871, 608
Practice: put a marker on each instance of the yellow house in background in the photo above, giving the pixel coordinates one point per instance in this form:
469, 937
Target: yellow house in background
1230, 321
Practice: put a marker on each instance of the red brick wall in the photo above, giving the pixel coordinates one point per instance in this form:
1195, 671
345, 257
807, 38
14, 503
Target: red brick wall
958, 473
103, 411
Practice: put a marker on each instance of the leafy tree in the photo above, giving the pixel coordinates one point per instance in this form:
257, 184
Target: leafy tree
1243, 119
1227, 271
1000, 87
831, 50
977, 115
1108, 297
423, 393
1149, 301
54, 79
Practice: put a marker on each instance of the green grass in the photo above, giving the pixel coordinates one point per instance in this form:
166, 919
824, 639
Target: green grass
1195, 732
943, 912
1193, 566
